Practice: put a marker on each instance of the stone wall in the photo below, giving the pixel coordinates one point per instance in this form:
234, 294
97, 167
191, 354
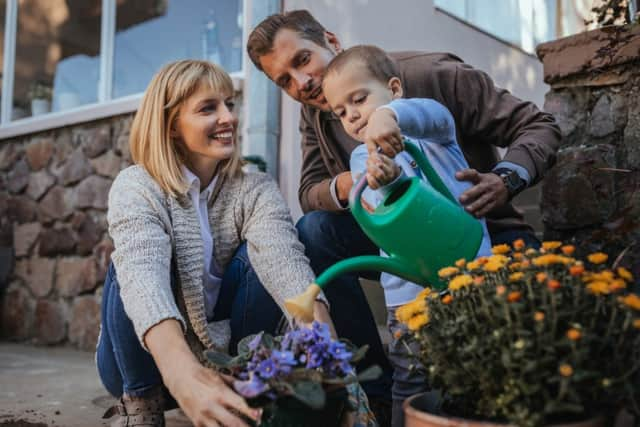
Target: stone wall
53, 200
592, 195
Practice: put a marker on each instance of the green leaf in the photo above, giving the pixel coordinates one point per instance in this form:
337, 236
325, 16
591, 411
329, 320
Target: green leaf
243, 344
371, 373
359, 353
309, 393
220, 360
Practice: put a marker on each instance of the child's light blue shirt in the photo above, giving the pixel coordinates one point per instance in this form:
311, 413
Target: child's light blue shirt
430, 125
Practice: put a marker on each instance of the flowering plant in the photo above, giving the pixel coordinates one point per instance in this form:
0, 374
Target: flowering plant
305, 364
530, 337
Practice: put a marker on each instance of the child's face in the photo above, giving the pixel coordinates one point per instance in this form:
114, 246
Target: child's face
353, 95
207, 126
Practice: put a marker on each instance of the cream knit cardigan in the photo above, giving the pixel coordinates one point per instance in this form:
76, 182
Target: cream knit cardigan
152, 230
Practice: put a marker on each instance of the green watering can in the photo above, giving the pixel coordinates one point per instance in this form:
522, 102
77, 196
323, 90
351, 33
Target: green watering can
422, 228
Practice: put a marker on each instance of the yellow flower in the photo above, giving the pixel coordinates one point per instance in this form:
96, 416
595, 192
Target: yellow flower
492, 267
514, 277
604, 276
498, 258
568, 249
514, 296
597, 258
416, 322
530, 252
473, 265
573, 334
576, 270
518, 255
541, 277
447, 271
565, 370
625, 274
632, 301
424, 293
501, 249
551, 245
598, 287
538, 316
617, 285
518, 244
636, 323
460, 282
549, 259
407, 311
461, 263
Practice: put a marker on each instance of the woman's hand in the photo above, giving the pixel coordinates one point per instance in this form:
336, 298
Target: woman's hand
202, 394
381, 170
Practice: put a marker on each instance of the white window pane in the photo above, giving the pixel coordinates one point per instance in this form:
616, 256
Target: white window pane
57, 55
151, 33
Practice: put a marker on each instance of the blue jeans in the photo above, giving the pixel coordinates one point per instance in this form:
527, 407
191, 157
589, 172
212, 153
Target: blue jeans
125, 367
330, 237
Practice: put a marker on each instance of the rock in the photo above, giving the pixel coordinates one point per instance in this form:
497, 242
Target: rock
631, 138
39, 183
39, 153
102, 255
18, 310
63, 147
50, 322
85, 323
107, 165
75, 169
9, 155
577, 192
608, 115
87, 233
93, 192
24, 237
18, 177
21, 209
122, 147
37, 274
568, 107
94, 140
75, 275
56, 241
56, 204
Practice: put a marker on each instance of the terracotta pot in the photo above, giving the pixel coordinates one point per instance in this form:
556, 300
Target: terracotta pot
415, 415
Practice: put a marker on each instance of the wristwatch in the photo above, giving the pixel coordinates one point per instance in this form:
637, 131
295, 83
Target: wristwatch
511, 180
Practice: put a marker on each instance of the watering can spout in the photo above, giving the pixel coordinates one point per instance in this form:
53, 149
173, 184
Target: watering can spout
301, 306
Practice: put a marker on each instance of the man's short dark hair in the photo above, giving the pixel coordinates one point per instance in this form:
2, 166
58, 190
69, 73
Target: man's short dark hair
376, 61
301, 21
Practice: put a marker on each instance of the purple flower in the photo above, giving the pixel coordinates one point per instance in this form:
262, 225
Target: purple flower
251, 387
338, 350
321, 332
267, 369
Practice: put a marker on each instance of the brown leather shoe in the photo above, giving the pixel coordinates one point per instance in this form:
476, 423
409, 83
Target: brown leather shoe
147, 411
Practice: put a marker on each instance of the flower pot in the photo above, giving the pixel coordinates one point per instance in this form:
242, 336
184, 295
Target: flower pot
416, 413
40, 106
289, 412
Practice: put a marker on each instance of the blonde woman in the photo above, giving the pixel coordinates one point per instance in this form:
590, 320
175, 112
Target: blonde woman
204, 253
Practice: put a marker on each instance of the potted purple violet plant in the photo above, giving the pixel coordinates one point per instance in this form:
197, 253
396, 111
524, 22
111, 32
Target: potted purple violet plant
301, 378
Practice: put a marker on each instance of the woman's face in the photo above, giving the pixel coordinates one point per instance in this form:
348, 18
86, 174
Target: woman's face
207, 126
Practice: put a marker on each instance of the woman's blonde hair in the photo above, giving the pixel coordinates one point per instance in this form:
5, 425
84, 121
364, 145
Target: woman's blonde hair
150, 139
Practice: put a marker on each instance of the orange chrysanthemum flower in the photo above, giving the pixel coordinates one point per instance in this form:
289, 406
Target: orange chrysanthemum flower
518, 244
597, 258
447, 299
501, 249
553, 284
573, 334
576, 270
541, 277
568, 249
461, 263
447, 272
551, 245
538, 316
625, 274
565, 370
514, 296
514, 277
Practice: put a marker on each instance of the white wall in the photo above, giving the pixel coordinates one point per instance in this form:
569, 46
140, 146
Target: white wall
405, 25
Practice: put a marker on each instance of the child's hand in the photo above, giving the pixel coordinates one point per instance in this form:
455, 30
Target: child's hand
383, 131
381, 170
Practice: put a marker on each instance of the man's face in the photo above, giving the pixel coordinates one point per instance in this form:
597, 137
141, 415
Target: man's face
297, 66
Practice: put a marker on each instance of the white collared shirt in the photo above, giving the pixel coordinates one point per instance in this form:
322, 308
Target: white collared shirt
211, 274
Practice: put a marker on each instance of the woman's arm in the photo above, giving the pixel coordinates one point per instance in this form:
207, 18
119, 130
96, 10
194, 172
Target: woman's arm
201, 393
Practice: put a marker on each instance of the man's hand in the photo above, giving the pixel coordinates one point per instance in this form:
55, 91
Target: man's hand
383, 131
344, 182
488, 192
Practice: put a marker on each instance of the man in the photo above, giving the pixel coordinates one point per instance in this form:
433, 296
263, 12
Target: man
293, 50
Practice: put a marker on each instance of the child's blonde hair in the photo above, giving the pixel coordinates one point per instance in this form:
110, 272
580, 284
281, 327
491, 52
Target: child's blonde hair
150, 139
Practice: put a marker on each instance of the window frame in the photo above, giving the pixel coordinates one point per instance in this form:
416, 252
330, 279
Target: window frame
106, 106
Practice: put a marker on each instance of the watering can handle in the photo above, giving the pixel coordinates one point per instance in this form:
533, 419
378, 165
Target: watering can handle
426, 168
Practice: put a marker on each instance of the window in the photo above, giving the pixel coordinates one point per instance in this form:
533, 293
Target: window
75, 53
152, 33
523, 23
